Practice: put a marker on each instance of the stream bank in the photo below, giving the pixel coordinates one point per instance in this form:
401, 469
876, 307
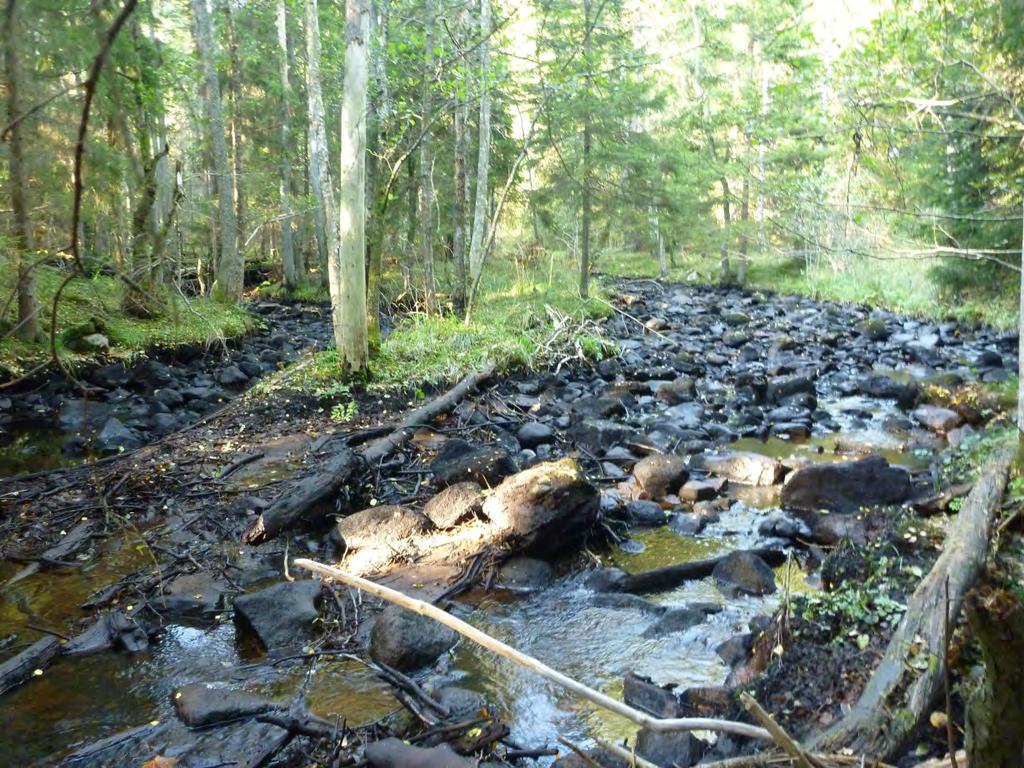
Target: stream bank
686, 435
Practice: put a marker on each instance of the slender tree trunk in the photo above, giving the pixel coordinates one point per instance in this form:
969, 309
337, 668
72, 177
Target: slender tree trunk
587, 142
292, 273
761, 239
483, 160
319, 166
228, 269
427, 163
21, 236
726, 271
1020, 334
380, 111
350, 331
234, 77
460, 193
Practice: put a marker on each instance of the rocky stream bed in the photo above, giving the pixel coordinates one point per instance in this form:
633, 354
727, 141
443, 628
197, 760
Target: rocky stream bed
634, 524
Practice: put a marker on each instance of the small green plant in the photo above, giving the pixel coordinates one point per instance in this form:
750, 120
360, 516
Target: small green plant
343, 412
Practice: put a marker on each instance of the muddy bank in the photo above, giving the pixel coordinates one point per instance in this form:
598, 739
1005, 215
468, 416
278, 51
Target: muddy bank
725, 425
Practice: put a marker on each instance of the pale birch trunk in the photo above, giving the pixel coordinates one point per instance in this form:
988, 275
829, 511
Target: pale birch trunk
292, 273
319, 167
426, 202
483, 162
228, 267
460, 193
350, 329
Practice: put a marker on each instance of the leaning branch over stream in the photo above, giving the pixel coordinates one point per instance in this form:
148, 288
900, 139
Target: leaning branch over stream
909, 678
528, 662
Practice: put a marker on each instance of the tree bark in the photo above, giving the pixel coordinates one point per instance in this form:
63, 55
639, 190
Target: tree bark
377, 203
460, 193
587, 141
228, 267
292, 272
21, 236
319, 166
725, 270
483, 160
350, 330
426, 202
234, 95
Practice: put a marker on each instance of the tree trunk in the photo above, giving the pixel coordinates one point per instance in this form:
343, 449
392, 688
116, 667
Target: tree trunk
483, 160
228, 267
1020, 333
234, 75
741, 268
725, 272
292, 273
427, 163
587, 141
350, 333
460, 193
21, 237
377, 204
995, 712
319, 166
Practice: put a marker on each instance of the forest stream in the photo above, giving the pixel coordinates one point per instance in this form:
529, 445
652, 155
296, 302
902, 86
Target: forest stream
745, 390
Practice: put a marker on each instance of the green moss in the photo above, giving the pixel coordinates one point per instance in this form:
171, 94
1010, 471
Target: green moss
95, 304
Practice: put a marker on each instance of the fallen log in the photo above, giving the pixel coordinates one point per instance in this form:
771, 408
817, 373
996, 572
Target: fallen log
671, 576
900, 694
528, 662
22, 667
299, 503
55, 555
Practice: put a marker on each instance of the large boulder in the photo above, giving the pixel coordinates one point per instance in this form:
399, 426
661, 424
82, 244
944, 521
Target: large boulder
660, 474
888, 388
280, 616
740, 573
546, 507
846, 486
202, 704
743, 467
115, 437
460, 461
525, 574
454, 504
937, 419
407, 641
534, 433
380, 526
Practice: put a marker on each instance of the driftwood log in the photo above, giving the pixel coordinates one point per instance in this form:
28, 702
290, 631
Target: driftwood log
902, 690
300, 503
18, 669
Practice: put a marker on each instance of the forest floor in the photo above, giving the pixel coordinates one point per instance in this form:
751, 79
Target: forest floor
142, 556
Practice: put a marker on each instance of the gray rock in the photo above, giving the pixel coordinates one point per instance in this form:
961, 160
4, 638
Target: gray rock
887, 388
660, 474
534, 433
454, 504
702, 490
645, 512
937, 419
687, 524
380, 526
678, 391
669, 748
599, 435
407, 641
743, 573
280, 616
742, 467
201, 704
460, 461
846, 486
675, 620
115, 437
395, 753
525, 574
232, 376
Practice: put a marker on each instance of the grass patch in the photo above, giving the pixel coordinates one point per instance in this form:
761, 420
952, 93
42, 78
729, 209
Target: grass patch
903, 286
527, 315
308, 292
197, 321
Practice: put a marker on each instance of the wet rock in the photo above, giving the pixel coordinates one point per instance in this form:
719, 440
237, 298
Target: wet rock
675, 620
937, 419
606, 580
643, 693
79, 414
407, 641
380, 526
781, 525
202, 704
460, 461
112, 376
829, 530
782, 387
232, 376
545, 508
599, 435
742, 467
534, 433
525, 574
873, 328
598, 407
736, 318
989, 358
192, 594
702, 490
656, 324
687, 524
706, 701
887, 388
956, 437
602, 758
115, 437
171, 398
659, 474
736, 649
743, 573
113, 630
454, 504
846, 486
735, 339
280, 616
645, 512
627, 601
680, 390
463, 703
669, 749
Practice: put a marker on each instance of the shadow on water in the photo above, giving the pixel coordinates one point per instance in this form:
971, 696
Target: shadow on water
31, 446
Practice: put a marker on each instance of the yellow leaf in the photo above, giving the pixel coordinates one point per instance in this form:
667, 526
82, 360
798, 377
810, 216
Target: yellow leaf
938, 719
160, 762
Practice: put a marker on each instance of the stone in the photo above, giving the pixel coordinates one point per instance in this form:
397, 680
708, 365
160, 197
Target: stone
645, 512
112, 630
525, 574
659, 474
887, 388
736, 318
454, 504
463, 703
196, 594
92, 343
281, 616
171, 398
534, 433
937, 419
956, 437
782, 387
829, 530
678, 391
743, 573
395, 753
202, 704
232, 376
460, 461
407, 641
545, 508
702, 490
115, 437
736, 649
659, 700
674, 620
846, 486
669, 748
112, 376
380, 526
687, 524
873, 328
742, 467
600, 435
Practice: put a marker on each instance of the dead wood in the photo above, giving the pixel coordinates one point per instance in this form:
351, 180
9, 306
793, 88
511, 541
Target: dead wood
900, 694
20, 668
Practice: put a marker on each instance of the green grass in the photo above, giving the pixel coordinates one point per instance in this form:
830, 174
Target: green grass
527, 316
904, 286
197, 321
309, 292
